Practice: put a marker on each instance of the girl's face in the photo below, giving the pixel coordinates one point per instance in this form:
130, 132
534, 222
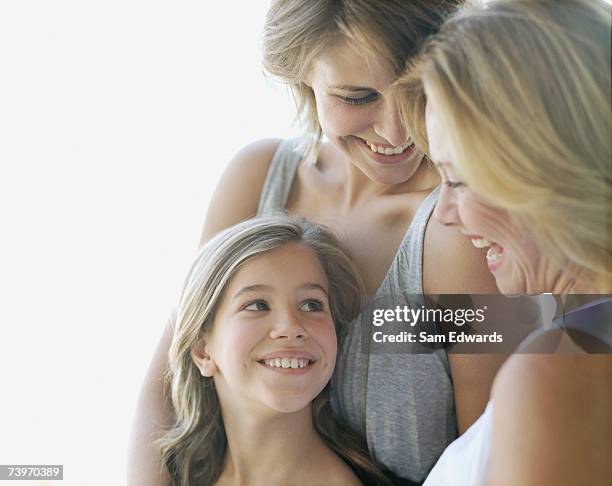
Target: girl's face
273, 341
359, 118
512, 256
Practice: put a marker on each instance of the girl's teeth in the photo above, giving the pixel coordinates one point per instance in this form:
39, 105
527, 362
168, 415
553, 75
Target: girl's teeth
287, 362
481, 242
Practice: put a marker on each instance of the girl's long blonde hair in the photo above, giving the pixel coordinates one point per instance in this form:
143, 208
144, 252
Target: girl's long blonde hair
194, 449
297, 32
523, 88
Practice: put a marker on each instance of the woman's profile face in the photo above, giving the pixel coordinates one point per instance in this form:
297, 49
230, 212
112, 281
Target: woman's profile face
512, 254
273, 341
359, 118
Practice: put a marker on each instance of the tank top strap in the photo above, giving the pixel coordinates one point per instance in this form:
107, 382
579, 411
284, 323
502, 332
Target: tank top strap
406, 272
282, 170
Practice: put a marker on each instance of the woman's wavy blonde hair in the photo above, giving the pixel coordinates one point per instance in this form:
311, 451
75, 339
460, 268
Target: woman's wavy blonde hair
523, 88
194, 449
297, 32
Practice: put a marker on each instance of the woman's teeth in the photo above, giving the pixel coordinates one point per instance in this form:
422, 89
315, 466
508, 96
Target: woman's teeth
287, 362
388, 150
494, 252
481, 242
493, 255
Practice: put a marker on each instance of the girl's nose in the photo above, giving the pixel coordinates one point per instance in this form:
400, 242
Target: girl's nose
288, 326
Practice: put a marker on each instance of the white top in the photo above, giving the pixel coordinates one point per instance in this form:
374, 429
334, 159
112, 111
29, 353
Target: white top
465, 461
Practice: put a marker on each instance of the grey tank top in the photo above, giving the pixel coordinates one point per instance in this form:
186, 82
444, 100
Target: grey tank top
401, 403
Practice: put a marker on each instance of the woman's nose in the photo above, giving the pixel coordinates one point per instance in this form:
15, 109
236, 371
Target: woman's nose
388, 125
287, 325
445, 211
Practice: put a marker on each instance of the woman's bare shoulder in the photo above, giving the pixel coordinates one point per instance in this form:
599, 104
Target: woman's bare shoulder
236, 196
556, 408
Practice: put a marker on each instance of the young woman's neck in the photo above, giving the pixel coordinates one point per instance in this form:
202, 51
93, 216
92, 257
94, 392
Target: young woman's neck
276, 448
358, 188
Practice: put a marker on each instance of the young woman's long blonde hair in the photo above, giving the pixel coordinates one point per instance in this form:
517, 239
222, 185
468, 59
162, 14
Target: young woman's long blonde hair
194, 449
523, 88
297, 32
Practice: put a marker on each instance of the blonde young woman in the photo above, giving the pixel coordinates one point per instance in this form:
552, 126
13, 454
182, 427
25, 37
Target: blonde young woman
514, 97
371, 185
252, 354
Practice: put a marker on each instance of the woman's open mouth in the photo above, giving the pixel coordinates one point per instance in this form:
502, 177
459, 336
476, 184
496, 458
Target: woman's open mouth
494, 253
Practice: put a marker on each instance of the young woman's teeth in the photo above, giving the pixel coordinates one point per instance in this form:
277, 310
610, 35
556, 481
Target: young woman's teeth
287, 362
481, 242
388, 150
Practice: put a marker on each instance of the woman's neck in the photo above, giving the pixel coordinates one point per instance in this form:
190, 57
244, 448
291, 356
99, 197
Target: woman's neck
579, 282
358, 188
279, 448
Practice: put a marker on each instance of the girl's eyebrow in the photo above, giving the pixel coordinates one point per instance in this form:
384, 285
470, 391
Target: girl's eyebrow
251, 288
315, 286
261, 287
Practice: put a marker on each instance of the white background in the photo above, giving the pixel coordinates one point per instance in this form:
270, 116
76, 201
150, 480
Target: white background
116, 120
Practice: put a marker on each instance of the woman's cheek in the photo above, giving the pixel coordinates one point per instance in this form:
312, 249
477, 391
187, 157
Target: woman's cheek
340, 119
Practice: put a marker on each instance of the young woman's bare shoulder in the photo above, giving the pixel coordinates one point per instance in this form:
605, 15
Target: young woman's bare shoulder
236, 196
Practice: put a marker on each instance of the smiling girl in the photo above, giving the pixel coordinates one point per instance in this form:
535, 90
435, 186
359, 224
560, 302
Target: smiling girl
252, 354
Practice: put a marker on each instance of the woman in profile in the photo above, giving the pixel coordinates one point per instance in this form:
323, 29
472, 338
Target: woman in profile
513, 100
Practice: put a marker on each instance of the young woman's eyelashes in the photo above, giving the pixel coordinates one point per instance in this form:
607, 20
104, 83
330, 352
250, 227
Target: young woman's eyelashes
362, 100
308, 305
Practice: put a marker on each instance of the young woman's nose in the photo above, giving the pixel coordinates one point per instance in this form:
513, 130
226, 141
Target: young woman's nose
445, 211
387, 123
288, 326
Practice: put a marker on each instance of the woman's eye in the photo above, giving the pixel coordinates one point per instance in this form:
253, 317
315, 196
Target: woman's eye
454, 185
312, 305
257, 305
359, 101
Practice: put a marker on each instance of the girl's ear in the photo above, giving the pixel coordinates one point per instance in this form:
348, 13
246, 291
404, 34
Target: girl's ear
202, 359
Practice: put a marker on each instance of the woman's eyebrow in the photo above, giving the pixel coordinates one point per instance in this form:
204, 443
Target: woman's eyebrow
348, 87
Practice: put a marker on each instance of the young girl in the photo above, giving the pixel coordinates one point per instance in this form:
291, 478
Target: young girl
252, 354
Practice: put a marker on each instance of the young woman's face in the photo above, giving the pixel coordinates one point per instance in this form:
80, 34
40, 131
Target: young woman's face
512, 256
273, 343
359, 118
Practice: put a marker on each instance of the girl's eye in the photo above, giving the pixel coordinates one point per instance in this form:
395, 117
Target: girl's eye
257, 305
454, 185
359, 101
312, 305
